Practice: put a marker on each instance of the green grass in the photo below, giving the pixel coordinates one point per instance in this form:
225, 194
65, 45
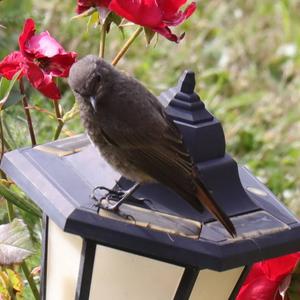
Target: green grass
246, 58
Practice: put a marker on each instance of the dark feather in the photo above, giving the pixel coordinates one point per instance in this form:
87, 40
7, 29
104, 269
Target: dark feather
158, 150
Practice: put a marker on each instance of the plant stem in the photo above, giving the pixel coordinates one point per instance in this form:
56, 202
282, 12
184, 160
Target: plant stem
27, 113
59, 120
126, 46
30, 280
4, 143
1, 138
102, 39
8, 146
9, 206
10, 211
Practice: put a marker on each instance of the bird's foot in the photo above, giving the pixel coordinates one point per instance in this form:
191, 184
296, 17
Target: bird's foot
114, 198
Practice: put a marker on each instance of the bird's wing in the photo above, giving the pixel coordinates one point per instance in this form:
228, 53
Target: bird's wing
151, 142
163, 156
157, 149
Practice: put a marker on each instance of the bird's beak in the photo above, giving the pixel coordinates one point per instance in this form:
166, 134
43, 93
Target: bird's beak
93, 103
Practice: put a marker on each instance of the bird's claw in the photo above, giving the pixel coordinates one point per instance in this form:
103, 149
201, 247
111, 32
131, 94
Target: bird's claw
117, 196
111, 195
110, 192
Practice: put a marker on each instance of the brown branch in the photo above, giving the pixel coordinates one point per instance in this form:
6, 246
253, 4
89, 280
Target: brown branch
126, 46
27, 113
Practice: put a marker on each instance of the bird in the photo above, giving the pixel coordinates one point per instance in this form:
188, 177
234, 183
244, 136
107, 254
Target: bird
130, 128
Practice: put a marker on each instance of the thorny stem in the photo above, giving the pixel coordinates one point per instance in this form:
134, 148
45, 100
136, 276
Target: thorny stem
102, 39
126, 46
27, 113
59, 120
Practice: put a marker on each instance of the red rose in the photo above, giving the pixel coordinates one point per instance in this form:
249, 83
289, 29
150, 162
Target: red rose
157, 15
40, 58
83, 5
269, 279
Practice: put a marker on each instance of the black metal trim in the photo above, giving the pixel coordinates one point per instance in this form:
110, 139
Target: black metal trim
44, 258
85, 270
186, 284
239, 283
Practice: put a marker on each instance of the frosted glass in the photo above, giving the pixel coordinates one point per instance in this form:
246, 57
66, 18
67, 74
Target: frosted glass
214, 285
64, 252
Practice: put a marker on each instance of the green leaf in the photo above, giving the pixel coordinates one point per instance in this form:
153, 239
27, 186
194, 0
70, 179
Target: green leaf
107, 18
14, 97
4, 286
149, 34
93, 20
15, 243
113, 18
293, 291
4, 85
21, 202
11, 285
16, 283
5, 89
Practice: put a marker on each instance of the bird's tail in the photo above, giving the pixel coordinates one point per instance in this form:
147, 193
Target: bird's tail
209, 203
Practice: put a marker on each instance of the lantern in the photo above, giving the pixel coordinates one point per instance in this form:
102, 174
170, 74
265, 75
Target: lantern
164, 250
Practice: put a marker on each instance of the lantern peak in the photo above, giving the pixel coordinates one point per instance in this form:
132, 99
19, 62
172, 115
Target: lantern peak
186, 106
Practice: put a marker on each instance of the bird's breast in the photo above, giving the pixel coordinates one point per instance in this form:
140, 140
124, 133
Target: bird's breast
93, 123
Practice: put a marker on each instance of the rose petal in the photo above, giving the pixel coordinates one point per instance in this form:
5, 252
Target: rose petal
83, 5
42, 82
27, 33
44, 45
156, 15
59, 65
279, 267
179, 17
145, 12
255, 273
262, 289
266, 278
167, 33
170, 8
11, 64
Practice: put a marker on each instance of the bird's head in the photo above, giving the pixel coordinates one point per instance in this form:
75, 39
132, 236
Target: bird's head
89, 78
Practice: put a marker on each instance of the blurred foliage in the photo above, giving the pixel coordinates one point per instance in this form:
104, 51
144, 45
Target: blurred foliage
245, 54
11, 285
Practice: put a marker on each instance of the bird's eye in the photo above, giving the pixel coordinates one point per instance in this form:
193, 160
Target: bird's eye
98, 78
